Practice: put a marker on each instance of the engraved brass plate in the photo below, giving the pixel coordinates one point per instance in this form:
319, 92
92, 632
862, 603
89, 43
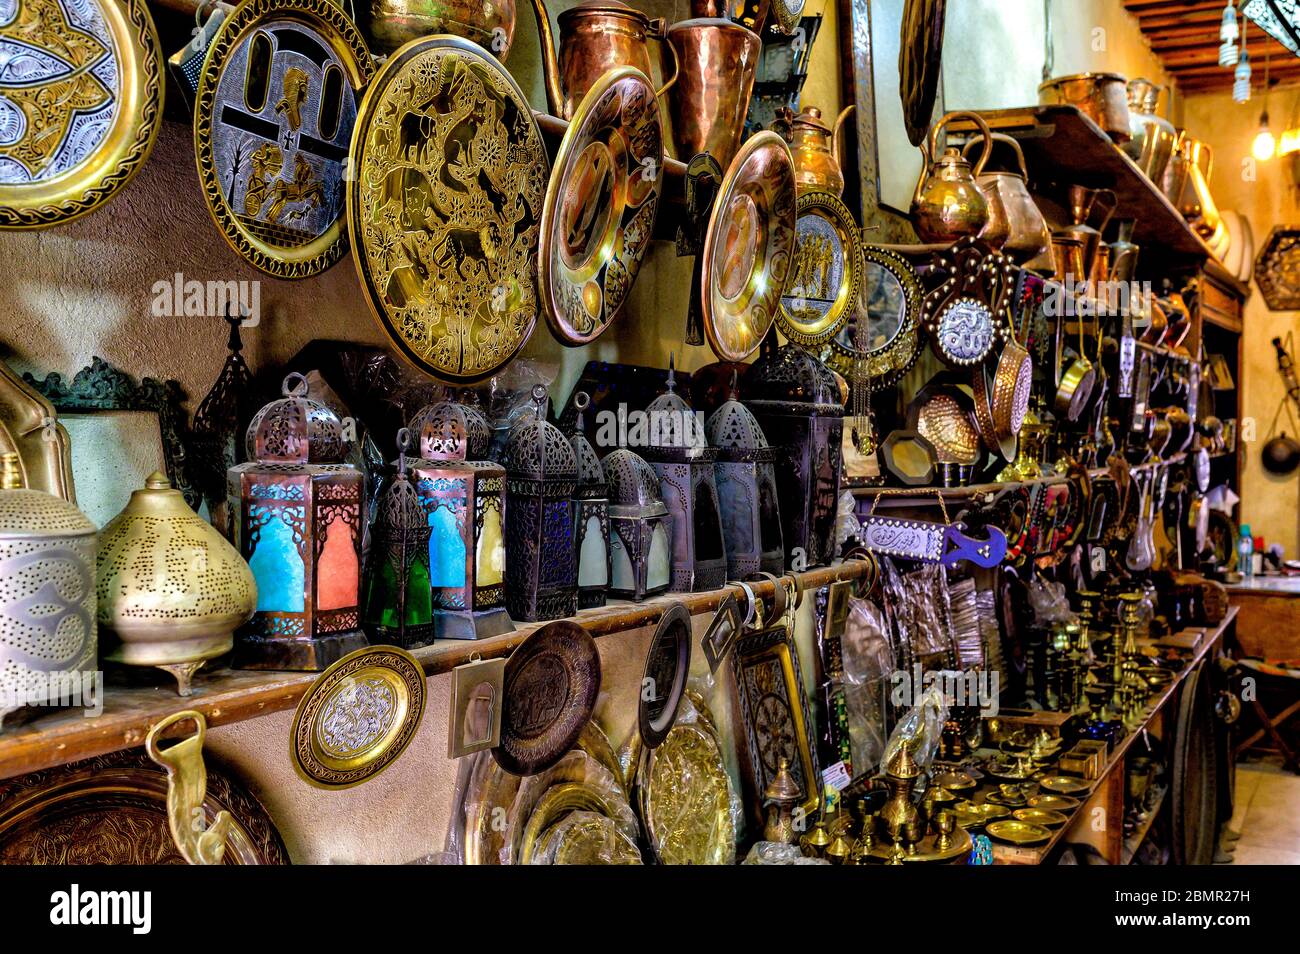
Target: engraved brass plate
749, 247
825, 278
1021, 834
273, 120
600, 205
81, 98
358, 717
686, 802
444, 208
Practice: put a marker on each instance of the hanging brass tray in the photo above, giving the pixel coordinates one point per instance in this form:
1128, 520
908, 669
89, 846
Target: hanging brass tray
600, 205
825, 277
445, 205
748, 247
81, 97
880, 338
358, 717
587, 838
685, 800
273, 120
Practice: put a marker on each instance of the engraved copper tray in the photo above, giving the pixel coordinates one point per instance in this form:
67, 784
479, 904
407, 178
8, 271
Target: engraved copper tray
600, 205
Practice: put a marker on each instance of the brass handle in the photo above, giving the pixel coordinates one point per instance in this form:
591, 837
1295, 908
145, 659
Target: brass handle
658, 30
187, 788
978, 120
1010, 141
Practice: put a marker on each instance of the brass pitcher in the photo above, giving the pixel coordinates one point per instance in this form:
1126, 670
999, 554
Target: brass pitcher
1015, 225
595, 36
1091, 210
1199, 207
717, 60
815, 147
1152, 136
490, 24
948, 204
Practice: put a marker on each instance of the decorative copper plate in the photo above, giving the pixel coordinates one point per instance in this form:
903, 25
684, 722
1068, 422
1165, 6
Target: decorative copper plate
113, 810
686, 800
444, 207
825, 278
552, 680
667, 665
358, 717
81, 98
600, 205
748, 247
273, 119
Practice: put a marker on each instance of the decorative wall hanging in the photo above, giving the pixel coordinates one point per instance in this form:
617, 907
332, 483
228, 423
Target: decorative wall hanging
945, 416
49, 545
883, 332
931, 542
745, 472
81, 101
825, 277
358, 717
749, 247
477, 691
297, 510
964, 313
1002, 394
667, 665
29, 427
273, 120
909, 457
640, 529
590, 515
1277, 269
600, 205
463, 503
919, 61
445, 205
552, 680
178, 613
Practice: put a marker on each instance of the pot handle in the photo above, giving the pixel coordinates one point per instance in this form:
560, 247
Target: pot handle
1010, 141
1209, 161
978, 120
658, 30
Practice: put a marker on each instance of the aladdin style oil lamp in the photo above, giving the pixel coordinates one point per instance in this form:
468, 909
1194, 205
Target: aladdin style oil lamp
298, 515
462, 502
541, 574
590, 515
746, 479
640, 529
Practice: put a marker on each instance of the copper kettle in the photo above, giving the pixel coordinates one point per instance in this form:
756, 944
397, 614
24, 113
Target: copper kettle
1015, 225
595, 36
815, 147
948, 204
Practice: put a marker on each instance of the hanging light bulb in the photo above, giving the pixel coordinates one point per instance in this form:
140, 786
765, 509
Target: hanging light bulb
1228, 54
1264, 146
1228, 29
1241, 79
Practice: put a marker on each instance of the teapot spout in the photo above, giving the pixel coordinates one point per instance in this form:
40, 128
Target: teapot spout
550, 63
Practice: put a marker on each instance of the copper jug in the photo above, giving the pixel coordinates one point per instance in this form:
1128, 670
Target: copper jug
1091, 210
595, 36
948, 204
717, 61
1198, 204
489, 24
1153, 137
815, 147
1015, 225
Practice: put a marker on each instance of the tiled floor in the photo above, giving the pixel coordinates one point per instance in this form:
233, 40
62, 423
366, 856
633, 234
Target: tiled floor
1267, 813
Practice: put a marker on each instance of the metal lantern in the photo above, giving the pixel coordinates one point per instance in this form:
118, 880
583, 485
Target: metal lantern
298, 517
640, 528
684, 464
746, 479
590, 515
398, 606
462, 502
47, 595
219, 425
798, 404
478, 432
541, 473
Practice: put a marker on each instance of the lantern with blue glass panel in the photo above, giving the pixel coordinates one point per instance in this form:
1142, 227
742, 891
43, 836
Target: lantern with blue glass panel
590, 515
746, 478
298, 516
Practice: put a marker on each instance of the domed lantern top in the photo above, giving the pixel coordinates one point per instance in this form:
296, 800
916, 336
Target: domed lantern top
672, 420
443, 432
734, 431
591, 475
794, 377
538, 450
478, 432
295, 429
633, 483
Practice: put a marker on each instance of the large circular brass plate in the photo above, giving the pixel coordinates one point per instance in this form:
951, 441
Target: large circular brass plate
748, 247
825, 277
81, 97
273, 120
686, 802
445, 206
358, 717
600, 205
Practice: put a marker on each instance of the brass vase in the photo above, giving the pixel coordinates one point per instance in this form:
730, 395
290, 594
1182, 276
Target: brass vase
171, 588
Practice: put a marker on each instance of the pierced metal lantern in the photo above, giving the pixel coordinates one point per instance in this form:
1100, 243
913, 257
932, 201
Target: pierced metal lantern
298, 515
590, 515
746, 478
478, 432
462, 502
398, 606
798, 404
640, 528
684, 463
541, 473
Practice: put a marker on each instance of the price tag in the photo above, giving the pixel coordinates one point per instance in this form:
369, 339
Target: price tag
836, 777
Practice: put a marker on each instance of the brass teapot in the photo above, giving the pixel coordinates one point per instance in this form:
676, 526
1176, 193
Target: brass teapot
489, 23
948, 204
816, 149
1016, 226
595, 36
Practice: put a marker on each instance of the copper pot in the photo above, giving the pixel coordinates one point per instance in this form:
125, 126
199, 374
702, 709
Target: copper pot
595, 36
1102, 97
1015, 225
1091, 210
948, 204
815, 147
717, 61
490, 24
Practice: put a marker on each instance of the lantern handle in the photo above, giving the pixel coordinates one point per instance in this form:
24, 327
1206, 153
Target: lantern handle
539, 398
403, 445
295, 385
581, 401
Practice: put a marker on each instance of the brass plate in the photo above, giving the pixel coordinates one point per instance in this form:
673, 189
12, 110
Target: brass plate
557, 802
1064, 785
969, 815
81, 98
112, 809
1046, 817
273, 119
1054, 803
586, 838
825, 277
358, 717
748, 247
552, 680
490, 788
955, 781
880, 339
444, 207
667, 665
1017, 833
686, 801
600, 205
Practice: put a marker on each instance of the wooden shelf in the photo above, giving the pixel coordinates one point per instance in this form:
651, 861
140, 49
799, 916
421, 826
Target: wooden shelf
227, 696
